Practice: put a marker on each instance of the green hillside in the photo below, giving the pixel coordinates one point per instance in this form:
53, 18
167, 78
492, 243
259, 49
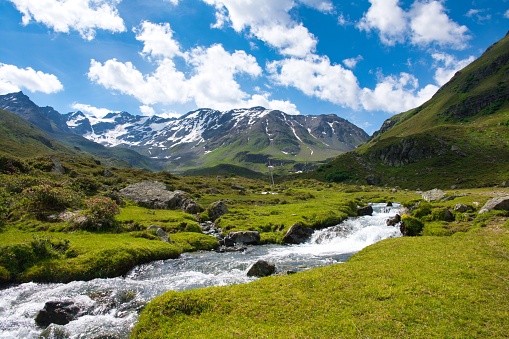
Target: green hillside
460, 137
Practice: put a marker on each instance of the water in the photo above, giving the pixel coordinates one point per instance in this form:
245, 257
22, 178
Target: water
112, 305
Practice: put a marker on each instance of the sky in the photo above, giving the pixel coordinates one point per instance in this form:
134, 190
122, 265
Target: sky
363, 60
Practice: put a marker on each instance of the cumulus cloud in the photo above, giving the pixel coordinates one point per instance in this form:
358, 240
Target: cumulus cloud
317, 77
352, 62
430, 24
386, 17
447, 66
396, 94
477, 14
321, 5
426, 23
147, 110
91, 110
506, 14
264, 101
84, 16
269, 21
12, 79
157, 40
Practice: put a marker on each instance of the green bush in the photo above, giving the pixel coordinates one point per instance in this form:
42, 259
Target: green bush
422, 210
4, 205
411, 226
101, 212
46, 198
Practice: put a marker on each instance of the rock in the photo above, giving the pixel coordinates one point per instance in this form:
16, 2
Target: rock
433, 195
297, 234
238, 187
504, 184
160, 232
372, 180
57, 166
389, 204
394, 220
236, 248
500, 203
107, 173
153, 194
462, 208
57, 312
261, 268
54, 332
366, 210
246, 238
216, 210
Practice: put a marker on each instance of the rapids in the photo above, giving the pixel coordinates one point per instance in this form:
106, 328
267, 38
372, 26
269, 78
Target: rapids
111, 306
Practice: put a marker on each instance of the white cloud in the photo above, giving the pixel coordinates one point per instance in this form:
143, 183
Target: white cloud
426, 23
477, 14
281, 105
147, 110
12, 79
173, 2
430, 24
449, 66
317, 77
386, 17
396, 94
269, 21
352, 62
91, 110
84, 16
157, 40
321, 5
506, 14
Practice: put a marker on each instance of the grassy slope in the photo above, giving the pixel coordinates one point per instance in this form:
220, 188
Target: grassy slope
482, 138
407, 287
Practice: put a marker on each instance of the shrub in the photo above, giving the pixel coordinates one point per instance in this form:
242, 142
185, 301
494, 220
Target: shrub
101, 212
411, 226
43, 199
4, 205
423, 210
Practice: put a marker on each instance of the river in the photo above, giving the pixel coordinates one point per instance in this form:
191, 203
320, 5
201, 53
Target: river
112, 304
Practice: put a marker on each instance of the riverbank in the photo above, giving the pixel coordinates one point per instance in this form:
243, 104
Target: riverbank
406, 287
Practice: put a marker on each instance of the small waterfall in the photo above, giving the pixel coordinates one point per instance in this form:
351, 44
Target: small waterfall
107, 311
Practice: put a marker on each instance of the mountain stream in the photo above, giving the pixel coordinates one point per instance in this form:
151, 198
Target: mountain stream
111, 306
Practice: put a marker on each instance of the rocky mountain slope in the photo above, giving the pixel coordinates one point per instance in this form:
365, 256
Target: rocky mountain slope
459, 138
254, 137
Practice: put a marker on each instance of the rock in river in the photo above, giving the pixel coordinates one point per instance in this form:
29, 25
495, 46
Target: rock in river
261, 268
57, 312
297, 234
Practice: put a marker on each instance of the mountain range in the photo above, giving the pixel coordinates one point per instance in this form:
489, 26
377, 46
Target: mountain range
253, 138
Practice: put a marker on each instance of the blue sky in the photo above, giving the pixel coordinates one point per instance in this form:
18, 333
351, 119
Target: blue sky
363, 60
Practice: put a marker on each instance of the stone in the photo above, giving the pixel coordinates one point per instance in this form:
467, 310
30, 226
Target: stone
462, 208
238, 187
57, 166
107, 173
217, 209
57, 312
393, 221
297, 234
366, 210
244, 237
153, 194
160, 233
261, 268
433, 195
55, 332
500, 203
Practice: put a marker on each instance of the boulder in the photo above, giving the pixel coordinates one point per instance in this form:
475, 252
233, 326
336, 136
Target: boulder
394, 220
500, 203
246, 238
54, 331
462, 208
57, 166
217, 209
57, 312
297, 234
153, 194
261, 268
160, 232
433, 195
366, 210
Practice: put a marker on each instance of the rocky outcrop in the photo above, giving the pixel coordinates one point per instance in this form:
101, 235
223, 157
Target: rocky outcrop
433, 195
261, 268
246, 238
57, 312
216, 210
500, 203
365, 210
409, 150
153, 194
297, 234
462, 208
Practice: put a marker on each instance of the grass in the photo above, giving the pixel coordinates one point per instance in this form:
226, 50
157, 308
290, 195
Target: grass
424, 287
